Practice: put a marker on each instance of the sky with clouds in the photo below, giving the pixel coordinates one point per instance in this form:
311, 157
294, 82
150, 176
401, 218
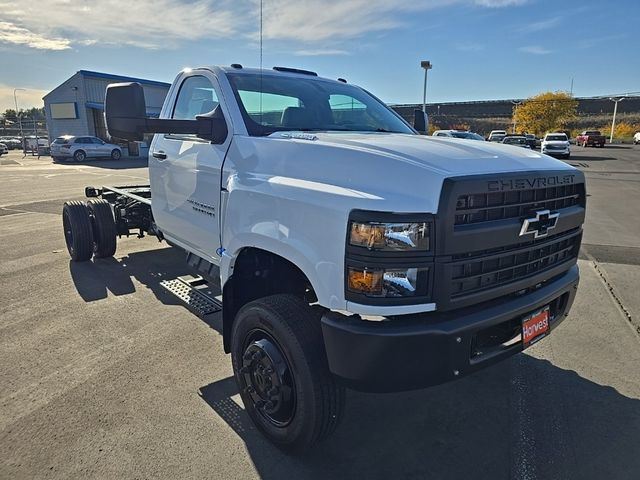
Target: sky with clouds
480, 49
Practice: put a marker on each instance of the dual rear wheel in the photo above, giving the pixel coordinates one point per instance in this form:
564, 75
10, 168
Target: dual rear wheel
89, 229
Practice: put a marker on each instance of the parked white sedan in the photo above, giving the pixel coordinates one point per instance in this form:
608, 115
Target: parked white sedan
81, 148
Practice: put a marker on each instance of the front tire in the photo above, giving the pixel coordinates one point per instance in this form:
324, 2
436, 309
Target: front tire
78, 232
281, 370
116, 154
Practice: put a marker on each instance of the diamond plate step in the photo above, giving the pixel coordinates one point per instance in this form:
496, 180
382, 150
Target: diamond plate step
197, 301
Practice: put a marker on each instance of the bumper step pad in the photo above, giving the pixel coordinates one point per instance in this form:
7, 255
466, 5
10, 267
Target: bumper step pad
195, 294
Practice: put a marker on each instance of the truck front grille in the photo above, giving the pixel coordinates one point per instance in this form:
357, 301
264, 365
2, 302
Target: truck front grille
484, 270
487, 207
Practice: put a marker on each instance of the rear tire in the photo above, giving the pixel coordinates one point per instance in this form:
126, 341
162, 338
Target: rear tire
281, 370
79, 156
104, 228
78, 232
116, 154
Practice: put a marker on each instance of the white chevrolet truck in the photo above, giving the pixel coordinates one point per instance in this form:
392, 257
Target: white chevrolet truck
351, 251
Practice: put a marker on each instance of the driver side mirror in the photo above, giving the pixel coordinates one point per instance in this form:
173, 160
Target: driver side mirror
421, 121
125, 112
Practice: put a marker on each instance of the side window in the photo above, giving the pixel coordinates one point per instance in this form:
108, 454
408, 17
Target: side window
82, 140
196, 96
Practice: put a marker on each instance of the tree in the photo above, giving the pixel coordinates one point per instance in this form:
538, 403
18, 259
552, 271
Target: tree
544, 112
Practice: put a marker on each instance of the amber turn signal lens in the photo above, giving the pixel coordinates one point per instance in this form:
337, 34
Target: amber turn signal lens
365, 281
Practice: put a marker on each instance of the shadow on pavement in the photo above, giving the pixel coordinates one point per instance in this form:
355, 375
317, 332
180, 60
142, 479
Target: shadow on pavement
122, 164
94, 279
523, 418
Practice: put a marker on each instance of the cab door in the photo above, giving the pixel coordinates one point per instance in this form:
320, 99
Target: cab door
185, 172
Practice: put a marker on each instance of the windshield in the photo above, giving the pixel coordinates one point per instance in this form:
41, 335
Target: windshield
556, 138
271, 103
515, 140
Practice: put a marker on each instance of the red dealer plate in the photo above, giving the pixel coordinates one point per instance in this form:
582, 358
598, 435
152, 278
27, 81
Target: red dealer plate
535, 326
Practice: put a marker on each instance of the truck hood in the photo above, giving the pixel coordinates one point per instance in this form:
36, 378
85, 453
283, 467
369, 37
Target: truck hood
383, 171
442, 155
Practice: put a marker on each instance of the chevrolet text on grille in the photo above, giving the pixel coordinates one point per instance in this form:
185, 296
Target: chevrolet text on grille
524, 183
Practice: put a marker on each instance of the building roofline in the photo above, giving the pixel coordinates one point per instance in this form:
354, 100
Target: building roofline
143, 81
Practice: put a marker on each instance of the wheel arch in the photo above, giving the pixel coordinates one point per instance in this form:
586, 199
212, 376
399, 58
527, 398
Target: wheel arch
257, 273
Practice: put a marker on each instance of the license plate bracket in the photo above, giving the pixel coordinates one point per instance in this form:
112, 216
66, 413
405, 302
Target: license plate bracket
535, 326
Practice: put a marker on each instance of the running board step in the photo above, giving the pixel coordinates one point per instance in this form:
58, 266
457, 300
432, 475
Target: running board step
194, 292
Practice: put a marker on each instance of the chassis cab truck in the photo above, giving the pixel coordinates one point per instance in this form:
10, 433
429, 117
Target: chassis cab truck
351, 251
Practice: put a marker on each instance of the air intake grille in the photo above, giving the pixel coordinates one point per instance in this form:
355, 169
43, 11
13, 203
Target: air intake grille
483, 272
487, 207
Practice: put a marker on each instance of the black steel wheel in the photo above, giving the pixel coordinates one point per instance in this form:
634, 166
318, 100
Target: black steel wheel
281, 370
116, 154
78, 231
79, 156
104, 228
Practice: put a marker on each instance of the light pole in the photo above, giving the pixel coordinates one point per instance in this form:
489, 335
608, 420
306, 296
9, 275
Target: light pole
426, 64
515, 112
15, 100
615, 110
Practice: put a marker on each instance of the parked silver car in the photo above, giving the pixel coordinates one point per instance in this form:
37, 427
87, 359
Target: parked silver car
81, 148
3, 149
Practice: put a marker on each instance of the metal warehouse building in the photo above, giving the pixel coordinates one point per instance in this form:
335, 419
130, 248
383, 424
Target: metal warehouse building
76, 107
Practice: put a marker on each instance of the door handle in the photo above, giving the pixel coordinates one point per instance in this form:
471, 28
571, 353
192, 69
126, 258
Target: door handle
159, 154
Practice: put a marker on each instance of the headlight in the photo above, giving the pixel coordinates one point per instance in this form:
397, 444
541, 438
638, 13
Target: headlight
389, 258
386, 282
390, 237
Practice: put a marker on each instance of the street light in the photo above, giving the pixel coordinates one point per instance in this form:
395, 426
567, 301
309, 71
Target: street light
426, 64
615, 110
15, 100
517, 104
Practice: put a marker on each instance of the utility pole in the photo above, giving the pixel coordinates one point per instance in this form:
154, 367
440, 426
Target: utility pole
615, 111
426, 64
15, 100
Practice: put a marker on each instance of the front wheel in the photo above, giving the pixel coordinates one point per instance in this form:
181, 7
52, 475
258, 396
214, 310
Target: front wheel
281, 370
116, 154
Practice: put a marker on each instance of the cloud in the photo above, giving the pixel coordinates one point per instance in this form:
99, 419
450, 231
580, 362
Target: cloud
541, 25
158, 24
12, 34
31, 97
56, 24
535, 50
500, 3
319, 52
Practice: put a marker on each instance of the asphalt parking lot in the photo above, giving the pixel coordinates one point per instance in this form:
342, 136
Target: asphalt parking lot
104, 375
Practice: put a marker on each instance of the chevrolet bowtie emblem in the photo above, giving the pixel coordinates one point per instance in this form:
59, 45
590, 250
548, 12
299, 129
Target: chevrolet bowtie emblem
540, 224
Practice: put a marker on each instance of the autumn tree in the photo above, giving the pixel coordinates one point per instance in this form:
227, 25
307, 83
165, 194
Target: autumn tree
544, 112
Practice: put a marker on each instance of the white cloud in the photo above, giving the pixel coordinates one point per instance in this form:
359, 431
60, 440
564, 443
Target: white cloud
542, 25
156, 24
500, 3
30, 97
535, 50
319, 52
12, 34
144, 23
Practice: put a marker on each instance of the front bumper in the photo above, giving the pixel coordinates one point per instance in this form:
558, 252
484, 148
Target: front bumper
562, 151
417, 351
